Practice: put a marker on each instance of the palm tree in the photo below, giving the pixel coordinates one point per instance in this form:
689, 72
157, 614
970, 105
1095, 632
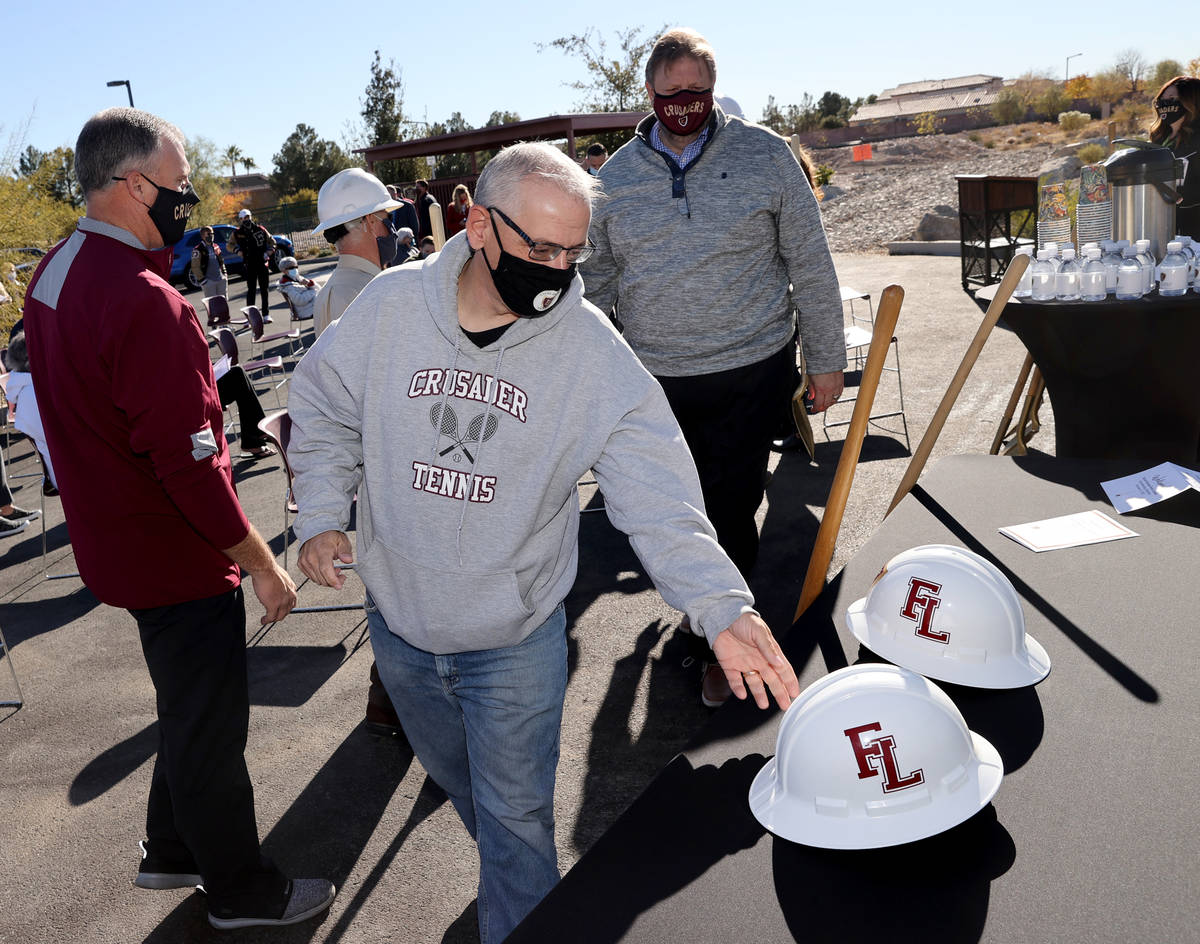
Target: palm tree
248, 165
234, 155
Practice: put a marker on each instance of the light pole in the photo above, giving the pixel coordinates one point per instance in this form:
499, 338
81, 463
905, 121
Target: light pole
1067, 74
128, 88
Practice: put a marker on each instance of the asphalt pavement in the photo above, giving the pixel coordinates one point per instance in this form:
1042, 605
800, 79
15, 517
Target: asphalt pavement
334, 801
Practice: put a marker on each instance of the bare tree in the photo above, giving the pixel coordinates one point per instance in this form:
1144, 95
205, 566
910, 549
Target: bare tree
1132, 64
614, 83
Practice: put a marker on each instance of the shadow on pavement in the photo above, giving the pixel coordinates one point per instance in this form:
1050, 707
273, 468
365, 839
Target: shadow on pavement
354, 786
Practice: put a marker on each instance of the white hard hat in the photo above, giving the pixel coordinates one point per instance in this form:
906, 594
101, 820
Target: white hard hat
951, 615
873, 755
349, 195
243, 213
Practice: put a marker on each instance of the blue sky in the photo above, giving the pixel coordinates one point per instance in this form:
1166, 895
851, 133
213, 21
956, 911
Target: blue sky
244, 73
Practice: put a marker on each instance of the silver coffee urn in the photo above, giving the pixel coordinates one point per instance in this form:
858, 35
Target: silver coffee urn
1142, 177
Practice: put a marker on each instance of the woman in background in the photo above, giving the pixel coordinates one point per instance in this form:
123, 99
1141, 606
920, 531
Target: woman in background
456, 212
1177, 126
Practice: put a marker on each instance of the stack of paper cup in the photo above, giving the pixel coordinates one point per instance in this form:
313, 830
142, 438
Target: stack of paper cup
1093, 215
1054, 216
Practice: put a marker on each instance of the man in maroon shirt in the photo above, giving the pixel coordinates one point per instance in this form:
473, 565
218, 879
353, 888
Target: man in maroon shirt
134, 427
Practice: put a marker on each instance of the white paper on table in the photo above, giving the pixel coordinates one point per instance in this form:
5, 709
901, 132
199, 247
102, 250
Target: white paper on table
1086, 527
1143, 489
221, 367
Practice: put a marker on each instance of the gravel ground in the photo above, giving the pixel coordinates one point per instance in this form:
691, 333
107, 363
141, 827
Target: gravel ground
871, 203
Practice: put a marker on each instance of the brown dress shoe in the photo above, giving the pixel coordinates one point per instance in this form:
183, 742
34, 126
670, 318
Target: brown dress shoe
714, 687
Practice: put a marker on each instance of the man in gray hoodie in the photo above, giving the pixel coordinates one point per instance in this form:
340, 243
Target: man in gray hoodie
713, 319
462, 399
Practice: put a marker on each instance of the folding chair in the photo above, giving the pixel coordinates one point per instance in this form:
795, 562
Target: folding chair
217, 307
20, 700
228, 345
257, 335
277, 427
858, 339
850, 296
592, 481
9, 428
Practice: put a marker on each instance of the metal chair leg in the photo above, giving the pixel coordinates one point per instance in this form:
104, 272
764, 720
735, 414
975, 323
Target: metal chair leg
8, 658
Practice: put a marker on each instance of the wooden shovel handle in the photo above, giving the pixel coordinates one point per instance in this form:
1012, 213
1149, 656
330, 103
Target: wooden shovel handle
839, 491
1016, 269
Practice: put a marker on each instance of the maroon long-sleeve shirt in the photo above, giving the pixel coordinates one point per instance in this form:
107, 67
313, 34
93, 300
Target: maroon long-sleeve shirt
133, 421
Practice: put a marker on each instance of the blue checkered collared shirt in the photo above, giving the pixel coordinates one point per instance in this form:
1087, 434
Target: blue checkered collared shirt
690, 153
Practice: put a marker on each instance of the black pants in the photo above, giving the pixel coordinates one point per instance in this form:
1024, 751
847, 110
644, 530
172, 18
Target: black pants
201, 802
729, 420
258, 276
5, 491
235, 387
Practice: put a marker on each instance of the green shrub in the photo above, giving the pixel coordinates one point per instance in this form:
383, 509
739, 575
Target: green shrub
1008, 108
1072, 121
823, 174
989, 144
975, 137
1092, 153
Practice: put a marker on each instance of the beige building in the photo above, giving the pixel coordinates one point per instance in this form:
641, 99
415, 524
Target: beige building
943, 97
256, 187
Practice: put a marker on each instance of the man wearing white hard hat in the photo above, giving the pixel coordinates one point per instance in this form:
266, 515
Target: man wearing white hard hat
353, 206
354, 209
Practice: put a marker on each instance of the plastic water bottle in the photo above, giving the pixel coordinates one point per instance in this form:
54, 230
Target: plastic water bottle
1149, 265
1025, 287
1092, 278
1130, 278
1052, 248
1066, 280
1173, 272
1110, 255
1043, 276
1189, 252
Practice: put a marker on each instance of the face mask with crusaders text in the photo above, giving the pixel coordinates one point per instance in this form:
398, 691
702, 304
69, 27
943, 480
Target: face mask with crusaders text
684, 112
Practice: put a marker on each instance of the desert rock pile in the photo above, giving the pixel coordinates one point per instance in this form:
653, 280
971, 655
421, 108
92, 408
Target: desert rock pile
871, 203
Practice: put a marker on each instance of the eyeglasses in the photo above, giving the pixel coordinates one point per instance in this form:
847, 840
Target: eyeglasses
546, 252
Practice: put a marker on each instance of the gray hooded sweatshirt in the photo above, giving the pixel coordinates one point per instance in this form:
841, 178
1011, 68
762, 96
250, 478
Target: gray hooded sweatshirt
465, 461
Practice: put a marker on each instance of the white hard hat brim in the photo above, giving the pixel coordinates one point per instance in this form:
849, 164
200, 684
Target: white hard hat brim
798, 821
948, 665
341, 218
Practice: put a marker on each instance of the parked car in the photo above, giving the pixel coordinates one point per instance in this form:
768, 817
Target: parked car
181, 266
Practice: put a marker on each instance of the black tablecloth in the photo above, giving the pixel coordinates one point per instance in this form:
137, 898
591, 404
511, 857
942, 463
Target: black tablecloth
1093, 835
1123, 376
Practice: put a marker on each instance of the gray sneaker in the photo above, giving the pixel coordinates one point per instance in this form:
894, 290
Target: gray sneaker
306, 897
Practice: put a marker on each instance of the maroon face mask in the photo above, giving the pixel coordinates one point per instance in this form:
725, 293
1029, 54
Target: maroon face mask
684, 112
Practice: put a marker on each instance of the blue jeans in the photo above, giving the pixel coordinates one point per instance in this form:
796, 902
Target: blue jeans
485, 726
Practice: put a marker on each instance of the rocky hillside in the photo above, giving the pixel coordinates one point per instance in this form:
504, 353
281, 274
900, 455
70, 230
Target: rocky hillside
871, 203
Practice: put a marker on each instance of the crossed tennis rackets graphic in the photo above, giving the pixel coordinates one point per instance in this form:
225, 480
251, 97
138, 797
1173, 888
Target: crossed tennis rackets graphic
480, 429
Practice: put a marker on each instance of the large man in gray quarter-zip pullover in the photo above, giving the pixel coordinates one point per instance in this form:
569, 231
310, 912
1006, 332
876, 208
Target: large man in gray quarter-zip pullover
707, 242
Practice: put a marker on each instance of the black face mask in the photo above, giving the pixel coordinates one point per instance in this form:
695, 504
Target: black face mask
170, 211
1170, 110
387, 246
528, 288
